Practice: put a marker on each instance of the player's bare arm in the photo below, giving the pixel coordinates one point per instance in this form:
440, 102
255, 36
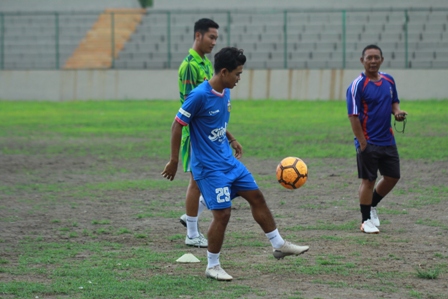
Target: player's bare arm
237, 148
357, 130
171, 167
235, 145
399, 114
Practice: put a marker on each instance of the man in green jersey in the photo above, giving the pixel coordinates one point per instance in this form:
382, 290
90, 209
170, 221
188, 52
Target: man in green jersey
195, 69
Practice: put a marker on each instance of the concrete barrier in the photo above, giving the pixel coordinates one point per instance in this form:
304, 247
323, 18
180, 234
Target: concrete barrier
66, 85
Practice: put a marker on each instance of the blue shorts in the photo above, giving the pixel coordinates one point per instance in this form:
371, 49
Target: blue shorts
219, 188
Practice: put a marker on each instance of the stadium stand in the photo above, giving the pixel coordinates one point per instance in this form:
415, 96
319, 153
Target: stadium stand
101, 44
318, 34
33, 6
255, 5
312, 40
46, 35
29, 41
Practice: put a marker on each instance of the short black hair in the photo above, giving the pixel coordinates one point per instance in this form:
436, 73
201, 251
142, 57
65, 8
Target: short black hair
203, 25
371, 47
229, 58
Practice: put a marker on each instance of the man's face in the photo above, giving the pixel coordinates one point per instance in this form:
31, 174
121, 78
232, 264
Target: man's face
207, 41
231, 78
372, 60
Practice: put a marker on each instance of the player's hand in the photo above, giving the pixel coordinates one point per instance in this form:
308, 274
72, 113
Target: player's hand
400, 115
363, 146
238, 149
170, 171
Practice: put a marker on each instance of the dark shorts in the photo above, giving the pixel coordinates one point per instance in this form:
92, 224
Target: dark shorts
374, 158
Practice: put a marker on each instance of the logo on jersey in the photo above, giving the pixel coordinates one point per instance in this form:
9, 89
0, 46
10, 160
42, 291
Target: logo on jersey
218, 134
213, 112
229, 106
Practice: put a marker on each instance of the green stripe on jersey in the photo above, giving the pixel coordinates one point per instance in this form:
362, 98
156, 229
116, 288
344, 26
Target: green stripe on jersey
193, 71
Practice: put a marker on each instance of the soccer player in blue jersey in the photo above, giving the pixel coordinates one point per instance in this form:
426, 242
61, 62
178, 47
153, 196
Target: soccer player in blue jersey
195, 69
371, 100
218, 173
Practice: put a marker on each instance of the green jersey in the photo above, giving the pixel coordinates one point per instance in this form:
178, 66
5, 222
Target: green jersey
192, 71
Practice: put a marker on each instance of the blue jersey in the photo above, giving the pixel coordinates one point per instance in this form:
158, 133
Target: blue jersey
207, 113
372, 102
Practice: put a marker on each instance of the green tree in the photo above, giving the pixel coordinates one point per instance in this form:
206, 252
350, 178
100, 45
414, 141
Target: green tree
145, 3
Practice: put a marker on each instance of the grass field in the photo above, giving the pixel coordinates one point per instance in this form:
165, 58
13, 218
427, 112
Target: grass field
84, 212
269, 128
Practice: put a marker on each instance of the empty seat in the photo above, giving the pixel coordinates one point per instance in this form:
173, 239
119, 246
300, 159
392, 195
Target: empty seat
275, 64
298, 56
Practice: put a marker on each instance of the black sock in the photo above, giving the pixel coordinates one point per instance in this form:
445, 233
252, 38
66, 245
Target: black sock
365, 212
376, 198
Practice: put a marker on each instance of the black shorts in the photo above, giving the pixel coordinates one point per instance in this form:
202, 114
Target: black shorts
374, 158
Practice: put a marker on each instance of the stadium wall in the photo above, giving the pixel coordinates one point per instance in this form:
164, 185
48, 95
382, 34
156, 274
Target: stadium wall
69, 85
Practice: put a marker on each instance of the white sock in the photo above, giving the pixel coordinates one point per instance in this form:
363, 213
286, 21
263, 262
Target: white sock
213, 259
202, 205
275, 239
192, 227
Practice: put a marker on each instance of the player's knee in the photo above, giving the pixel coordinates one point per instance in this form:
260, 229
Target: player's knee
392, 180
258, 200
193, 187
222, 216
368, 184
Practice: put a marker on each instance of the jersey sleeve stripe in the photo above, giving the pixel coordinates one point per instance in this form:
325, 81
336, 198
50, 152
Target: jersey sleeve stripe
180, 121
354, 90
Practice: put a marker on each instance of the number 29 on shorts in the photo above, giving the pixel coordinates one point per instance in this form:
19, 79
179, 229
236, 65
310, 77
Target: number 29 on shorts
222, 194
